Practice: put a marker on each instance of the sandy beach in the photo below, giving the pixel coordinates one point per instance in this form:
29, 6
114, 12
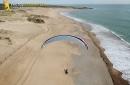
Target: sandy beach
23, 62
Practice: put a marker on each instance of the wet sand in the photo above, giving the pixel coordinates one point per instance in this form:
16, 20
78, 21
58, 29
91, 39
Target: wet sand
23, 62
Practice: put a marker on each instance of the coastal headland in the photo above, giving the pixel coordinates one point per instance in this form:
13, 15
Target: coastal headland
23, 62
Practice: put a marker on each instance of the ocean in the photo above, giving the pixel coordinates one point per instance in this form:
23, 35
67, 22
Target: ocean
111, 23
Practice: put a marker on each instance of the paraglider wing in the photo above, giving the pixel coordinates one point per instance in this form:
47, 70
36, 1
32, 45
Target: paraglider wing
65, 37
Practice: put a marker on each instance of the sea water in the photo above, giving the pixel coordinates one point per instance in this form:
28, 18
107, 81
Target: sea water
111, 23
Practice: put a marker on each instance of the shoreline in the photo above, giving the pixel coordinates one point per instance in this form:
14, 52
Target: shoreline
115, 75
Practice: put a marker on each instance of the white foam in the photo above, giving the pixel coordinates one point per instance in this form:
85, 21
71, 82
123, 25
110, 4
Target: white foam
116, 49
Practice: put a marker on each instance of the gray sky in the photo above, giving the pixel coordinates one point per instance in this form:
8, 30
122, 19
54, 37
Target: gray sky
71, 1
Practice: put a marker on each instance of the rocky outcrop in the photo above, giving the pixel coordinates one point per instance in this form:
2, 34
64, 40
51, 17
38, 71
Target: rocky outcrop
35, 19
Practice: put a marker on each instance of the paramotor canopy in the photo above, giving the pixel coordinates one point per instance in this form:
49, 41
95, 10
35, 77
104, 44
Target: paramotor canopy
65, 37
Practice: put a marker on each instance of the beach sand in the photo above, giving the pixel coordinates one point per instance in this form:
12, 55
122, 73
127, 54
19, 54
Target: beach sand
23, 62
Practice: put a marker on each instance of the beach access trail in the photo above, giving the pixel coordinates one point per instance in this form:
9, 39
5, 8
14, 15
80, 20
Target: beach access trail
31, 65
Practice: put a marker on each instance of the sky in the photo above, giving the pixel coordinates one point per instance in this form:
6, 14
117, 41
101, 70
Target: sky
71, 1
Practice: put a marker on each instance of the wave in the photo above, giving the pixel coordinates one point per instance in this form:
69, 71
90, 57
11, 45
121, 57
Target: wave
116, 48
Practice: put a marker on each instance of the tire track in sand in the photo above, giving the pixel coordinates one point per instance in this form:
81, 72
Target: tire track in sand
27, 72
7, 71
